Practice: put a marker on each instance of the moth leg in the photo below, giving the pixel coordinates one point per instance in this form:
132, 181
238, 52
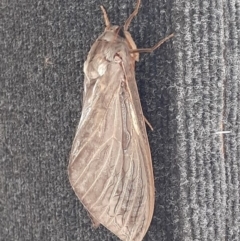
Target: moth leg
149, 50
106, 19
133, 14
148, 123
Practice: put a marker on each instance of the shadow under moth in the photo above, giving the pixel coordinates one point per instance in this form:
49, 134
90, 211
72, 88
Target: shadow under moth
110, 166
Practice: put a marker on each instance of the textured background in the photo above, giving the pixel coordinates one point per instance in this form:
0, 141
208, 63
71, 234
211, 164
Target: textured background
189, 90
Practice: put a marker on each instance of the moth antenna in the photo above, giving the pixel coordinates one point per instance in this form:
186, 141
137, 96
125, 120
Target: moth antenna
149, 50
134, 13
106, 19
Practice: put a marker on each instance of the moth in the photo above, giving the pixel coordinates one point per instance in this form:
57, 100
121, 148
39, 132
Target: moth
110, 166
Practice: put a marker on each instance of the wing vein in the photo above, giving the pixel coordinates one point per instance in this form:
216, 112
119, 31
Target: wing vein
93, 134
100, 172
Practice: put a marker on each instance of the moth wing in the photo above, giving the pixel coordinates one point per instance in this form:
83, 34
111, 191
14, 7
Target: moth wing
110, 165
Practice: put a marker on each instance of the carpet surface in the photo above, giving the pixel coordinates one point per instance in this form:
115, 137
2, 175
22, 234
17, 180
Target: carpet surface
189, 89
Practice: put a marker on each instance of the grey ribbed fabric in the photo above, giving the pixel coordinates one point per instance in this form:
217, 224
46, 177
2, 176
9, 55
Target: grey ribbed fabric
189, 90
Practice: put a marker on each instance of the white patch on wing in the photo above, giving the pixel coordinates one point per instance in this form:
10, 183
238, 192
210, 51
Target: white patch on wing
102, 68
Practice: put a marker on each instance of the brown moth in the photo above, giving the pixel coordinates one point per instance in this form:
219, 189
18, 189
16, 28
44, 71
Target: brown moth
110, 166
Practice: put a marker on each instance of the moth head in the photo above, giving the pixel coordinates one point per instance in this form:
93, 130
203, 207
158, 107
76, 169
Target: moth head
121, 32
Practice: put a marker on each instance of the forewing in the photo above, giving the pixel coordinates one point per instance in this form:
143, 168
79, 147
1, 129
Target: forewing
110, 166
